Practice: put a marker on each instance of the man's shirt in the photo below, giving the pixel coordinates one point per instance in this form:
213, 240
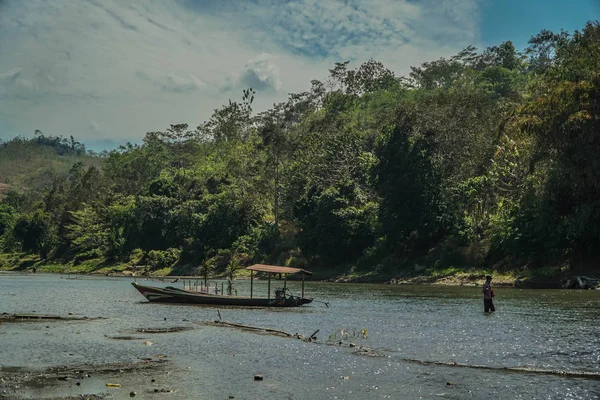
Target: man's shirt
487, 291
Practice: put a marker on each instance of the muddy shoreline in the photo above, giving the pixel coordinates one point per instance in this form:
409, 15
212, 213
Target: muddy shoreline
16, 381
83, 381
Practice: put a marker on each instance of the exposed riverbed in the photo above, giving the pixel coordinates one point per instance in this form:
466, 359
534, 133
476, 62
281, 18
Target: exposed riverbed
431, 342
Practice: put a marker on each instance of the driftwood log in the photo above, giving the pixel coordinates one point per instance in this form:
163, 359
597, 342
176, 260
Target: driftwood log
253, 328
360, 350
4, 317
527, 370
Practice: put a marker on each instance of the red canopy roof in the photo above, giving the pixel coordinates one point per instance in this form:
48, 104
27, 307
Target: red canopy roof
275, 269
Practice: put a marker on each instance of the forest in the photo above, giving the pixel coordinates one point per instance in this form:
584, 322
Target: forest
487, 160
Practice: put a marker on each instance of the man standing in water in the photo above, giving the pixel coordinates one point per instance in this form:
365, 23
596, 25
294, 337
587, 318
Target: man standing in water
488, 293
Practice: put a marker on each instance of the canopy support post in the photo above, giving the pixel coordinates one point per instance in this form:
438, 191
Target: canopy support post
303, 285
251, 282
269, 288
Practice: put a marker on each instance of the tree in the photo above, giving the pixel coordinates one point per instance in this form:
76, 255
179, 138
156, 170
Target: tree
563, 117
407, 184
88, 233
231, 122
35, 233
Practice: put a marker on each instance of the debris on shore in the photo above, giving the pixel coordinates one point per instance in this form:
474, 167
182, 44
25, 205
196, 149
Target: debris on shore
15, 380
33, 317
359, 350
164, 330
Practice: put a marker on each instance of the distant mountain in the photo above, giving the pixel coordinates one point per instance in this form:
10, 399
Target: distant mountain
29, 164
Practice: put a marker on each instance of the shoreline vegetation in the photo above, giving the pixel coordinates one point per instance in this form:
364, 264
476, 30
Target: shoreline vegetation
549, 278
485, 162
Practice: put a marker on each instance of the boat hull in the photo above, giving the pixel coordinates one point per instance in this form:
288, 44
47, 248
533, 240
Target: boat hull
181, 296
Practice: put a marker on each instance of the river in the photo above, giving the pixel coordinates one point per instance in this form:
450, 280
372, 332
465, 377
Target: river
543, 330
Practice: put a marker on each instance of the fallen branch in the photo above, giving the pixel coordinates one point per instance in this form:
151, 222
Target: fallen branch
527, 370
4, 317
254, 328
360, 350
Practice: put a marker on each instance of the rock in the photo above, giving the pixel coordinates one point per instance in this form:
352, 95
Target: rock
258, 377
132, 394
582, 282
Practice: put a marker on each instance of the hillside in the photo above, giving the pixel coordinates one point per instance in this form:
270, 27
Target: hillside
31, 164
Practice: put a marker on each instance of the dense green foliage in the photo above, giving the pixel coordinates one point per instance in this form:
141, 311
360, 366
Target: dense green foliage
484, 158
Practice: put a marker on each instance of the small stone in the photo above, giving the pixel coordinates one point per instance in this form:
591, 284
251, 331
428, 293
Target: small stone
449, 383
258, 377
78, 384
132, 394
153, 380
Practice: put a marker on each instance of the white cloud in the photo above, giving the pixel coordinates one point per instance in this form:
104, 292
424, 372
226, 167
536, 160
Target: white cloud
9, 77
94, 127
137, 67
14, 84
261, 74
176, 83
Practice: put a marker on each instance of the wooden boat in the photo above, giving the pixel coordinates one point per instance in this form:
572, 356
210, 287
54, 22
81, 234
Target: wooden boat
171, 294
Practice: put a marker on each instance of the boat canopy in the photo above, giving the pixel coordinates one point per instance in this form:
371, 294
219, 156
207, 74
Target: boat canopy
276, 269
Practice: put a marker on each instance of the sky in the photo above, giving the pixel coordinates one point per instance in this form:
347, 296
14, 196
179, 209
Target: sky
108, 71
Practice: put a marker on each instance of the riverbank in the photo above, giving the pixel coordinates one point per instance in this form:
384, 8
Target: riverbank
538, 278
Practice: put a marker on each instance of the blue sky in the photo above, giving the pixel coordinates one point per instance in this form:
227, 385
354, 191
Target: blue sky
517, 20
107, 71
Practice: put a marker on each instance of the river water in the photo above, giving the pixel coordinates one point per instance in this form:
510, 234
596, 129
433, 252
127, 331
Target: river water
543, 330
